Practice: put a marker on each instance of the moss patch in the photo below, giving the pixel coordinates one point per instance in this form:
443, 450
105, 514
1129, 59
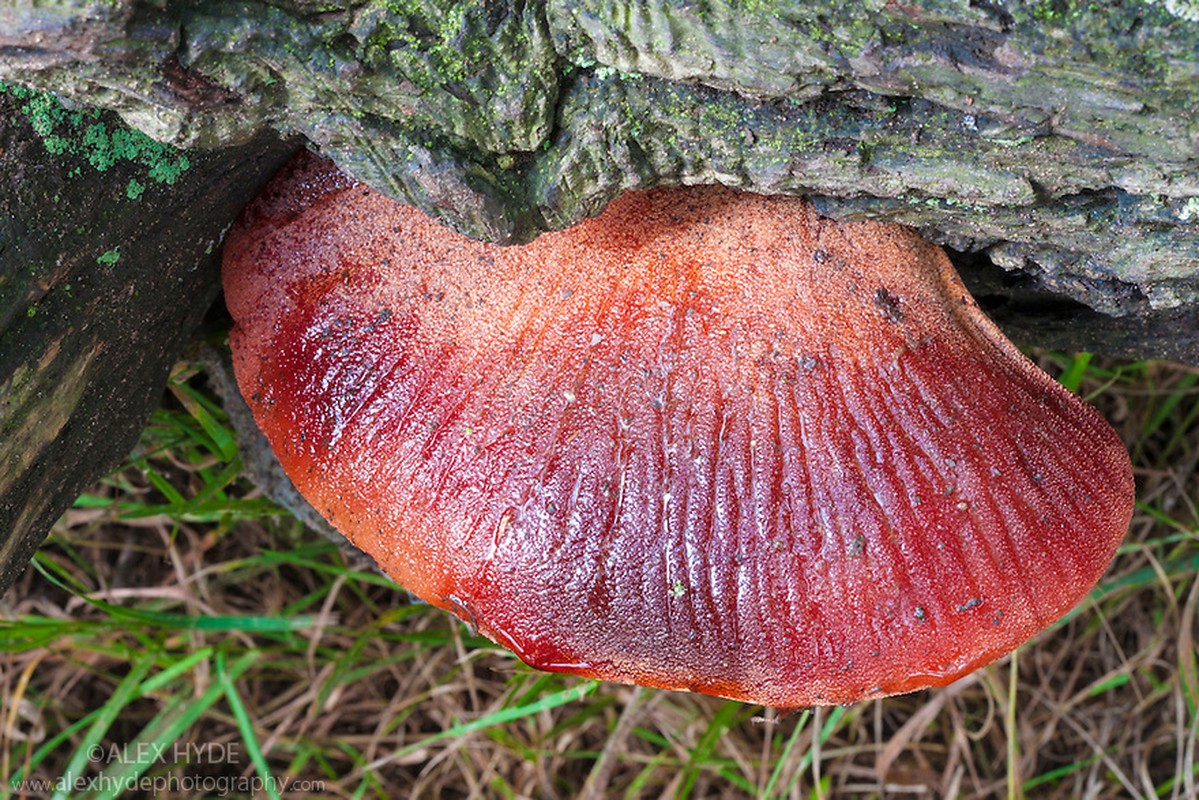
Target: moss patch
84, 134
109, 257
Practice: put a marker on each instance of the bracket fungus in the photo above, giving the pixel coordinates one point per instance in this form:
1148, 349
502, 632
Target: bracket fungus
707, 440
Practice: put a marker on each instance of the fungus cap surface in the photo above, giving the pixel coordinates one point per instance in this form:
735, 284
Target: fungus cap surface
707, 440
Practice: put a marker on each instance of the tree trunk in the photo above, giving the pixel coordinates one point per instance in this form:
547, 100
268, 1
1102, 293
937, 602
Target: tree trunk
109, 247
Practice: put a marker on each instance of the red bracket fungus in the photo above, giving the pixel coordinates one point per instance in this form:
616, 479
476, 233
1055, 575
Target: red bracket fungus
707, 440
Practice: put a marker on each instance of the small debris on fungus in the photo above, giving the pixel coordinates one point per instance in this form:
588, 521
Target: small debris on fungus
682, 444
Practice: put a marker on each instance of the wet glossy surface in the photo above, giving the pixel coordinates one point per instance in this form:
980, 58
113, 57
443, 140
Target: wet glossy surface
706, 441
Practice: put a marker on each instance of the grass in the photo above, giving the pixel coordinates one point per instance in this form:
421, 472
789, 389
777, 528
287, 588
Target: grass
179, 637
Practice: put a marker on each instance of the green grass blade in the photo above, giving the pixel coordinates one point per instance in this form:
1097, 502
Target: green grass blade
570, 694
127, 690
50, 745
166, 728
1055, 775
188, 622
245, 727
176, 670
724, 718
801, 722
220, 438
1075, 372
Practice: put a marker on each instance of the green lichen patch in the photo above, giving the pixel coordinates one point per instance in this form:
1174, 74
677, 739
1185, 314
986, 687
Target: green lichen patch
84, 134
109, 257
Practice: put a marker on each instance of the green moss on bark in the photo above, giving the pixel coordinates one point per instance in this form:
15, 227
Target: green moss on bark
85, 134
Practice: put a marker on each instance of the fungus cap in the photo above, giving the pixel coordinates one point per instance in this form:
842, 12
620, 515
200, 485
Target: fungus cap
707, 440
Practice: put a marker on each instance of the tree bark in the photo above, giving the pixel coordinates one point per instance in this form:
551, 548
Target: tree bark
109, 247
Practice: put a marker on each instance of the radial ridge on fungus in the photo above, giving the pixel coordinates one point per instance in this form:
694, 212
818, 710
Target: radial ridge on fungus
707, 440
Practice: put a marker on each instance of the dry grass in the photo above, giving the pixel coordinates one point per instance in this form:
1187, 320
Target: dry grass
252, 651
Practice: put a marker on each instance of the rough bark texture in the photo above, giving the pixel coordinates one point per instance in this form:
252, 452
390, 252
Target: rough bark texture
108, 258
1056, 138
